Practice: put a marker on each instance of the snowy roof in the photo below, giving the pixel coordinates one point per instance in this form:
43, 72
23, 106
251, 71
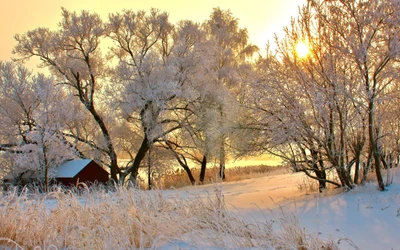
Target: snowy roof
71, 168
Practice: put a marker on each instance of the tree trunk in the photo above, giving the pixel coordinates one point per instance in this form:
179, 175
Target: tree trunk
203, 169
222, 171
222, 160
110, 148
134, 169
357, 170
45, 161
373, 142
321, 175
186, 168
367, 167
344, 177
319, 170
189, 173
322, 178
378, 171
149, 169
397, 161
46, 170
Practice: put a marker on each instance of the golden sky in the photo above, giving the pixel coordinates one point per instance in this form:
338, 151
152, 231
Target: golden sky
262, 18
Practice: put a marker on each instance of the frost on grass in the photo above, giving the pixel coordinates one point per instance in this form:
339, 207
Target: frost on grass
129, 219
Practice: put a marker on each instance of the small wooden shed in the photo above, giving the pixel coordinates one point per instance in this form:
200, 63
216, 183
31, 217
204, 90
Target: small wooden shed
82, 170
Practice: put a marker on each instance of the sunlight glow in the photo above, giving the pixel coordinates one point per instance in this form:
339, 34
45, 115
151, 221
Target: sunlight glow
302, 49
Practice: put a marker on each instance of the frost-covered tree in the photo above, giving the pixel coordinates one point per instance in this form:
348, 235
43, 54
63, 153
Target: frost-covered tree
287, 117
369, 39
221, 52
34, 113
189, 57
73, 55
324, 111
231, 52
322, 84
142, 42
155, 78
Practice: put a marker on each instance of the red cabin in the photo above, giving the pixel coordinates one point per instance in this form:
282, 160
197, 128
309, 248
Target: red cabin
72, 172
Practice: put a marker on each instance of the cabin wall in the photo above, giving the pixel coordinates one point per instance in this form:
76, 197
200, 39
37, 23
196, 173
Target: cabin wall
92, 173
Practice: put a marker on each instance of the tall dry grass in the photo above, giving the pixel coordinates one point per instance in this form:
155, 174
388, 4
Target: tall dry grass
179, 178
132, 219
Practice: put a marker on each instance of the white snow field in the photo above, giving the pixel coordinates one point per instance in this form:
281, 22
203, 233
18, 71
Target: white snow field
362, 218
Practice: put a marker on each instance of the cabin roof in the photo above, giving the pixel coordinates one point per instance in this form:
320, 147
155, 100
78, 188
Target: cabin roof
71, 168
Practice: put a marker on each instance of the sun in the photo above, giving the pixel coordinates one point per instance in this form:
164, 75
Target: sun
302, 49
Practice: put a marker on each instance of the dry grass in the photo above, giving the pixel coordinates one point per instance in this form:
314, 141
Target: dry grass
311, 186
308, 185
131, 219
179, 178
297, 237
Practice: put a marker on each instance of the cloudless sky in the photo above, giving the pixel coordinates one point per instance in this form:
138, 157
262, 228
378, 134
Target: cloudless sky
262, 18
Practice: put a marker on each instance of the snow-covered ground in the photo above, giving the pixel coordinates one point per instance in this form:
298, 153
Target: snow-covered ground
191, 218
363, 218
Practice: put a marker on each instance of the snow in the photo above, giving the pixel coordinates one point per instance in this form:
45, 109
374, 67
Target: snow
71, 168
362, 218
